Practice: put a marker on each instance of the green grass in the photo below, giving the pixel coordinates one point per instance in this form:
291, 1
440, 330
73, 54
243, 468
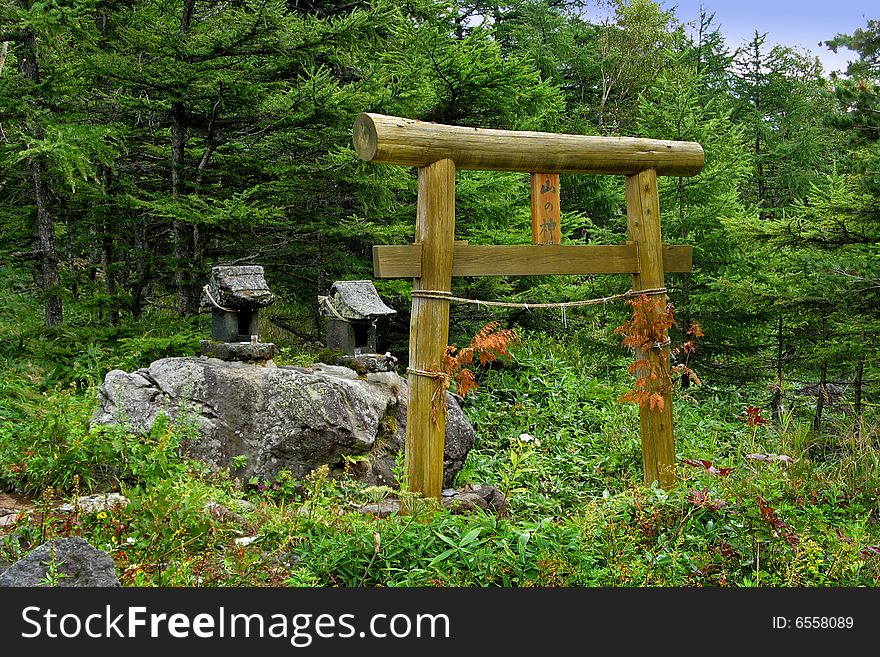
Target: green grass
579, 513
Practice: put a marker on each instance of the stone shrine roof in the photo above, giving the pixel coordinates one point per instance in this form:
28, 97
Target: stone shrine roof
357, 300
237, 287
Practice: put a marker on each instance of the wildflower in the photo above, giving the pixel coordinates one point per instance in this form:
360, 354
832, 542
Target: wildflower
130, 540
528, 438
101, 515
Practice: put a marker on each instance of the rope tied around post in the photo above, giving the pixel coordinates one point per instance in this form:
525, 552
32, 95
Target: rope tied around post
430, 374
438, 398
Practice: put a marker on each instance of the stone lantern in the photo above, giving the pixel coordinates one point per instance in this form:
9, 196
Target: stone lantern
352, 308
235, 295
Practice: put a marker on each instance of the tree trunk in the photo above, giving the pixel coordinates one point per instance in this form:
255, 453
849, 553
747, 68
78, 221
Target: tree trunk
759, 165
53, 311
109, 267
187, 240
776, 404
141, 268
186, 237
319, 320
823, 382
183, 247
857, 385
762, 190
822, 394
102, 222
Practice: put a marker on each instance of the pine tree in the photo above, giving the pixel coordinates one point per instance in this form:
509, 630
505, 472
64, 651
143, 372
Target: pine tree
780, 100
682, 105
48, 148
858, 97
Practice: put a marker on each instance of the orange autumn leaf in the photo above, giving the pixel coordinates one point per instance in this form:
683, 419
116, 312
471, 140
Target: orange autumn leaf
465, 382
645, 333
489, 344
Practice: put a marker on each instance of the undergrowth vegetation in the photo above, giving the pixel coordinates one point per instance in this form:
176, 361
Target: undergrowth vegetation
757, 504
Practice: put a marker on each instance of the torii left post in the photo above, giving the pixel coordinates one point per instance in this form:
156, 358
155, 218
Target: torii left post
429, 326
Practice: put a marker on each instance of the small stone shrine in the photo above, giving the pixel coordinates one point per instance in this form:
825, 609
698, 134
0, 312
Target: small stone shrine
235, 295
352, 308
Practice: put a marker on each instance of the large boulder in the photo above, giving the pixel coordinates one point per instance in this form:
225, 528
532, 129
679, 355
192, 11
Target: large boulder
63, 562
278, 417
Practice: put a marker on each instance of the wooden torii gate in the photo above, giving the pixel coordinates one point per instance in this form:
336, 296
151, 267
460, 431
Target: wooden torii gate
435, 257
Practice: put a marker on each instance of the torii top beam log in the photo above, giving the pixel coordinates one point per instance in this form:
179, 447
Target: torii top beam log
393, 140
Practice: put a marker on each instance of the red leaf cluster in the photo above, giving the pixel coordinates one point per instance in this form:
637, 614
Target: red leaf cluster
708, 467
753, 416
690, 346
726, 550
768, 513
648, 325
703, 498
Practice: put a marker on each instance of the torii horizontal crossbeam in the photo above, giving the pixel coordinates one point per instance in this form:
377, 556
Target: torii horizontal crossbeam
393, 140
526, 260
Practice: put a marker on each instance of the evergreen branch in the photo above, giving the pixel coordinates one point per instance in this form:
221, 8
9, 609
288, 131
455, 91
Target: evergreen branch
873, 282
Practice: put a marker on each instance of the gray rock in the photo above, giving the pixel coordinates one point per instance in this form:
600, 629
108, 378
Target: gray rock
243, 506
335, 370
466, 500
365, 363
377, 362
381, 509
249, 352
282, 560
220, 512
98, 502
471, 498
277, 417
834, 396
75, 561
289, 559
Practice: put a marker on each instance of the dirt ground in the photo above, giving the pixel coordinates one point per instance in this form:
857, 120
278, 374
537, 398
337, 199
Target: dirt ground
11, 504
